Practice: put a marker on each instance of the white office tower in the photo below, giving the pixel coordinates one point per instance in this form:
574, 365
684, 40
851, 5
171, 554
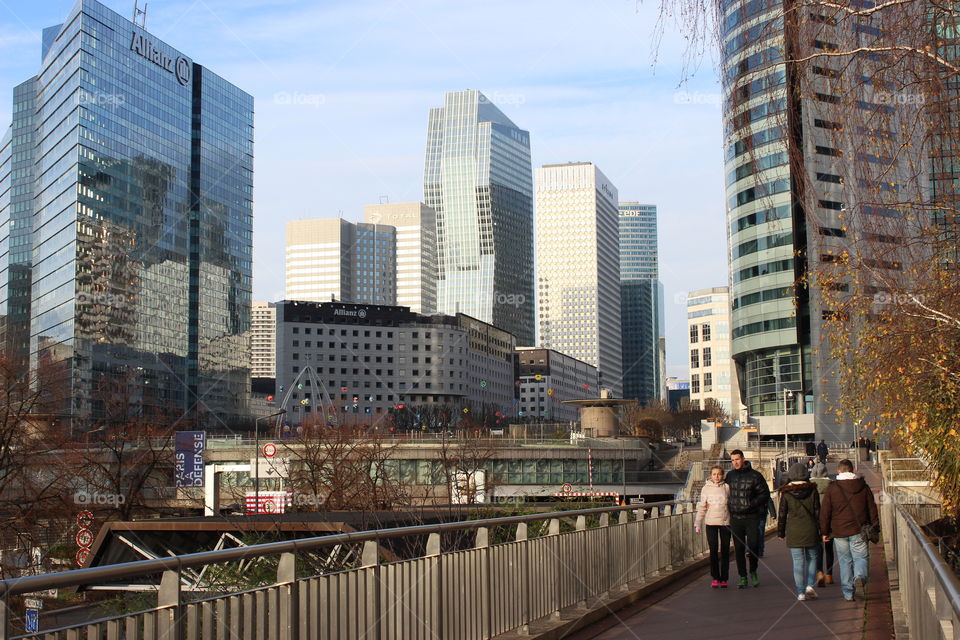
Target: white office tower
578, 267
416, 226
263, 340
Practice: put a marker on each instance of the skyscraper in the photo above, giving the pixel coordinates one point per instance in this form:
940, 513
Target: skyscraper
641, 304
263, 340
478, 179
331, 258
416, 226
806, 176
578, 267
126, 223
712, 374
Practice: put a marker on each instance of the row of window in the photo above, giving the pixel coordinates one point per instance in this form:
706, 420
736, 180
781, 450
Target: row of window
695, 383
698, 332
695, 358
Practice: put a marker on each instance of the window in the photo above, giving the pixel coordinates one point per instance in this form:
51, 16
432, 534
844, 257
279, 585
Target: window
707, 357
705, 331
695, 383
707, 382
693, 334
694, 359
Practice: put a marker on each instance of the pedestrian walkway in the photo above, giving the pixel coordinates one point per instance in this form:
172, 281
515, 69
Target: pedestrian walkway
770, 611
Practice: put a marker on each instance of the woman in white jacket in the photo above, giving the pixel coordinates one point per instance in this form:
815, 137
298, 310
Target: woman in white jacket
712, 510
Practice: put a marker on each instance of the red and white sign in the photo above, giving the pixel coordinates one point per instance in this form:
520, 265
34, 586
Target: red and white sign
270, 502
84, 538
84, 519
82, 556
269, 450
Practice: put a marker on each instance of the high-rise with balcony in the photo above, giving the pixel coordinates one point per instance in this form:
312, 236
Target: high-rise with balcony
801, 152
125, 225
416, 228
578, 268
263, 340
641, 304
478, 179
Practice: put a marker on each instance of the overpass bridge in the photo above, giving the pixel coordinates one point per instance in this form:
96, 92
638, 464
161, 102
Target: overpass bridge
638, 570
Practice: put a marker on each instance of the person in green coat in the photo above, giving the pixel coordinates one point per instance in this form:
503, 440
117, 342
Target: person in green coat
799, 525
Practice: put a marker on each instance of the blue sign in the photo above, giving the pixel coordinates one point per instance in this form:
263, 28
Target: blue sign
32, 623
189, 447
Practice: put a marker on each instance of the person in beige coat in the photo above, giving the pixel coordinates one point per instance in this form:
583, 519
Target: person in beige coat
712, 511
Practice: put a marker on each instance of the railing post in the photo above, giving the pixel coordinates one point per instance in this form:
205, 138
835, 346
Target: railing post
525, 578
641, 551
655, 521
605, 579
582, 546
370, 559
289, 597
553, 532
169, 596
486, 598
433, 551
4, 617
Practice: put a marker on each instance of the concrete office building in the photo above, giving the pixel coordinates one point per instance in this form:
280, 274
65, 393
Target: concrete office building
578, 268
371, 358
712, 370
478, 179
126, 224
334, 259
547, 378
794, 181
263, 339
416, 225
641, 304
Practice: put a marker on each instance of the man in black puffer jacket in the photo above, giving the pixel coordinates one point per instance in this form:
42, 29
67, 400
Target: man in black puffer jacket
749, 495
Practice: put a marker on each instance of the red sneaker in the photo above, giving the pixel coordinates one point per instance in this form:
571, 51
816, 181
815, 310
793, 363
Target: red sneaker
723, 584
715, 584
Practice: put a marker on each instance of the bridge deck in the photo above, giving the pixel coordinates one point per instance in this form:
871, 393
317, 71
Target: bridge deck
771, 611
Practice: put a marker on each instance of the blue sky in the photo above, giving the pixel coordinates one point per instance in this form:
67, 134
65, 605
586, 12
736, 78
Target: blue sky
342, 92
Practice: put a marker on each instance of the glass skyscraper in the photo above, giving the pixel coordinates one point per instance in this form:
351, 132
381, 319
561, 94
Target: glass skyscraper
641, 304
479, 180
126, 224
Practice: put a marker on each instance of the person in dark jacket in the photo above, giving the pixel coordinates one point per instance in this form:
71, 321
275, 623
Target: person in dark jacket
847, 505
800, 525
811, 449
818, 476
823, 451
749, 495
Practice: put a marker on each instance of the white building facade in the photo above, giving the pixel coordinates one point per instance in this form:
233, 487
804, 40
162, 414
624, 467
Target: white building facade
578, 267
712, 369
416, 227
547, 378
263, 336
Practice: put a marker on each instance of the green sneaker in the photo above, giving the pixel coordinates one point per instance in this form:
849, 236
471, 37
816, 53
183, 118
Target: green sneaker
754, 580
743, 582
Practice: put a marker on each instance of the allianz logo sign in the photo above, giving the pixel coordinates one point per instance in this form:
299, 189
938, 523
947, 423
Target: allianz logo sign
181, 67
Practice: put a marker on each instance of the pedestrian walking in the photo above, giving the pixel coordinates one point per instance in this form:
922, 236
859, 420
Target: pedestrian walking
847, 506
825, 564
749, 495
800, 526
713, 512
822, 451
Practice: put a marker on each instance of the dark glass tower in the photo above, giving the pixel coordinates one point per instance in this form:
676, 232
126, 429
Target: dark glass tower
641, 303
479, 179
126, 223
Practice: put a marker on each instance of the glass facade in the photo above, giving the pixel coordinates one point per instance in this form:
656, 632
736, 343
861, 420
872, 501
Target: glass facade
136, 233
479, 180
641, 303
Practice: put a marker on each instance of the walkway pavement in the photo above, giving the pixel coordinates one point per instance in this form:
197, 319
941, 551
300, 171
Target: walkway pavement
694, 610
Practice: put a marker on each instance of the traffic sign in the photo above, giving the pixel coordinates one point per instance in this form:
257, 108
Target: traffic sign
32, 622
33, 603
269, 450
567, 488
84, 538
81, 557
84, 519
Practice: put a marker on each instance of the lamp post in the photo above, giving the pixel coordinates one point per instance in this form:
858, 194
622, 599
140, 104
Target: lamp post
256, 463
786, 433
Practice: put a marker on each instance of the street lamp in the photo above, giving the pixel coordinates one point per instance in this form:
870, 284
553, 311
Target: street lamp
256, 463
786, 433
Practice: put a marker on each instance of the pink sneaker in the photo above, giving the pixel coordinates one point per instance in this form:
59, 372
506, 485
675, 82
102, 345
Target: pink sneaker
723, 584
715, 584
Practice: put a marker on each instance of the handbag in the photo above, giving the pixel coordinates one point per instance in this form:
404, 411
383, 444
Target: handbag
869, 532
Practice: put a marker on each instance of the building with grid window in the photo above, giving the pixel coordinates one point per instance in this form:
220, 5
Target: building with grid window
126, 222
547, 378
578, 268
416, 228
478, 179
263, 338
334, 259
641, 304
372, 359
712, 369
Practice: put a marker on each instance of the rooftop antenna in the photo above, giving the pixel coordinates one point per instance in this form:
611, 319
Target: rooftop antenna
141, 14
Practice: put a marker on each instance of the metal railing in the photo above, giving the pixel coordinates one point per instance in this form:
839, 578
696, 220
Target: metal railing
473, 591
